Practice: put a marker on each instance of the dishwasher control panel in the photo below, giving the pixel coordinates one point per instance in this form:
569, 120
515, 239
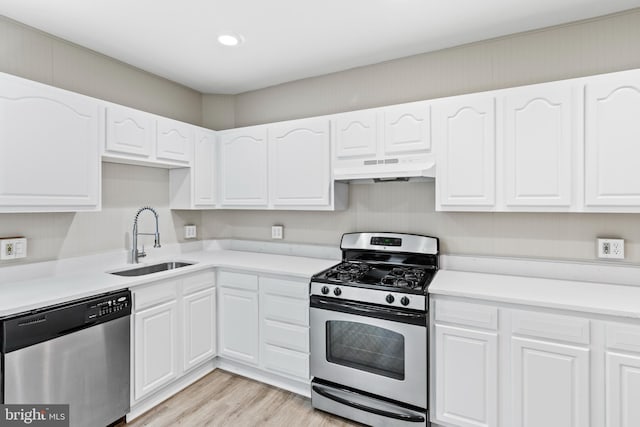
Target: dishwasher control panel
107, 306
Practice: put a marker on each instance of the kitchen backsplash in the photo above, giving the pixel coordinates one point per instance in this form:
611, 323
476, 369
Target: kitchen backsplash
409, 208
125, 189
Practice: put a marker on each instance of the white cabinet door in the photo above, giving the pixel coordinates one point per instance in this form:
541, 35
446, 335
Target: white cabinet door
199, 327
49, 148
300, 167
550, 384
357, 134
243, 167
622, 389
464, 130
129, 131
407, 128
466, 391
174, 140
155, 348
204, 161
538, 140
239, 325
612, 140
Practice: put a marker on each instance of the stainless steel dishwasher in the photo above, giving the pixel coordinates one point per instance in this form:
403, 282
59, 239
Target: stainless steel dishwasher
75, 353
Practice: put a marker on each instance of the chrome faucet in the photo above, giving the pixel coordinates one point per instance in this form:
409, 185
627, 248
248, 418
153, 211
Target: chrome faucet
135, 253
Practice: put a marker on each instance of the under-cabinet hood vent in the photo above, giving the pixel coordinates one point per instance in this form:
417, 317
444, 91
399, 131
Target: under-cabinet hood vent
387, 173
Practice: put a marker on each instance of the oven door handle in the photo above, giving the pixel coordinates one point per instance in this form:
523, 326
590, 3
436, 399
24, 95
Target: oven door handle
404, 417
352, 307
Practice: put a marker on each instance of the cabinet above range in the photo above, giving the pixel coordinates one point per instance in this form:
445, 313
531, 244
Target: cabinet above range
384, 143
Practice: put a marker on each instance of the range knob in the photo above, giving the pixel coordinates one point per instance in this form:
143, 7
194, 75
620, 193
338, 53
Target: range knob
337, 292
404, 301
390, 299
324, 290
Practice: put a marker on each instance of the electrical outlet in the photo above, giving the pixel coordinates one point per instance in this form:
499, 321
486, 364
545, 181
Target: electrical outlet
190, 232
12, 248
611, 248
277, 232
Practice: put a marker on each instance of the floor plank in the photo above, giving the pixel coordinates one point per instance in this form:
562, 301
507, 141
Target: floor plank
225, 399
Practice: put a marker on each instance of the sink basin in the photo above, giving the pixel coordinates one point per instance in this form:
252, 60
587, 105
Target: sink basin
150, 269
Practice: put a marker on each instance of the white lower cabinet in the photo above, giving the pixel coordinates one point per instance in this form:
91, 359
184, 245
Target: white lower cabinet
199, 327
284, 325
174, 330
239, 325
264, 323
156, 348
505, 366
466, 376
549, 384
622, 375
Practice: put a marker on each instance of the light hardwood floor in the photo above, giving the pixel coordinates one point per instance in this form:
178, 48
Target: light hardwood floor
229, 400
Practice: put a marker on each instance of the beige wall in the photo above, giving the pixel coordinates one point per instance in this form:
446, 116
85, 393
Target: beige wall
35, 55
590, 47
602, 45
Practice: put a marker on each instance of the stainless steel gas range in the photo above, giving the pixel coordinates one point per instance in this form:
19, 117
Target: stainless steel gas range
368, 329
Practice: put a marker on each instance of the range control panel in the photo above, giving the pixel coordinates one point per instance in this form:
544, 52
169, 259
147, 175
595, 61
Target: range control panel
109, 305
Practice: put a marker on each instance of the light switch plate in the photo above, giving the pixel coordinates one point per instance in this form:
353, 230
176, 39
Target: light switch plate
277, 232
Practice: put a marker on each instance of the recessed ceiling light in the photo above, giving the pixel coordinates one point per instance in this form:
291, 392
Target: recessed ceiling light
229, 39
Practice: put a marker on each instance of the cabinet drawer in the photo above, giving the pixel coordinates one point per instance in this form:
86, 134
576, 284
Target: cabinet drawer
286, 361
198, 281
468, 314
543, 325
238, 280
284, 335
291, 288
285, 309
155, 294
624, 337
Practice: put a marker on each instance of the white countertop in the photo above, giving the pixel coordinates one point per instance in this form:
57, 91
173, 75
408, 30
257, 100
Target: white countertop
576, 286
18, 296
598, 298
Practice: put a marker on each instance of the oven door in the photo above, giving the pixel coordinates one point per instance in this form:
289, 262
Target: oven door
376, 349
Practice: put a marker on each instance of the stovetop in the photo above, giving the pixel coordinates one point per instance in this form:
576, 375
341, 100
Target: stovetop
385, 277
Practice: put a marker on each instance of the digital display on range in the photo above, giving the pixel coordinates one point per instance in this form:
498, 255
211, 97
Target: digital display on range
386, 241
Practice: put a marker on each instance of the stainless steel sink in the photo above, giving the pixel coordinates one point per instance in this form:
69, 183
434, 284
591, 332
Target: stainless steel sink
150, 269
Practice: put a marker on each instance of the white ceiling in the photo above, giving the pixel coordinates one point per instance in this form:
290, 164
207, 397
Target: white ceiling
285, 39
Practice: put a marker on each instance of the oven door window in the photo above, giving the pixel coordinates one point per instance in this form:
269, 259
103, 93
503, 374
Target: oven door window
365, 347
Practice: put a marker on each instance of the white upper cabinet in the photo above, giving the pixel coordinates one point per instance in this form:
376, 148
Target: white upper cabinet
464, 128
204, 167
137, 137
243, 167
195, 187
387, 142
612, 141
129, 131
539, 137
407, 128
300, 163
174, 140
357, 134
49, 148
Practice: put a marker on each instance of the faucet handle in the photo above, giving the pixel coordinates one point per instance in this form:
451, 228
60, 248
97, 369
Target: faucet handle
142, 253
